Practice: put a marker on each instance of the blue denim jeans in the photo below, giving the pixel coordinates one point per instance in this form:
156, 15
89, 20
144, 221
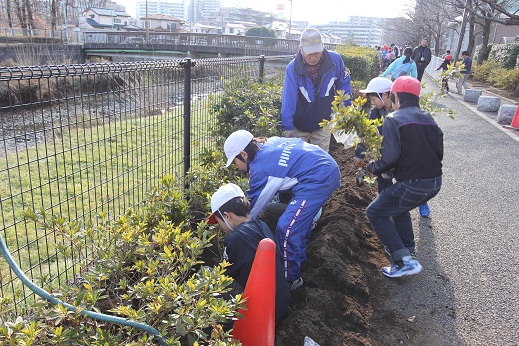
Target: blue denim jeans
389, 213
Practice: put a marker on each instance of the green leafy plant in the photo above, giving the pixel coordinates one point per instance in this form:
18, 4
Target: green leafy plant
353, 118
248, 105
484, 71
362, 62
147, 267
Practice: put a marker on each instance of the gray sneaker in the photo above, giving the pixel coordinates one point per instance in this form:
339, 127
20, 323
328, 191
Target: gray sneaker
295, 284
408, 266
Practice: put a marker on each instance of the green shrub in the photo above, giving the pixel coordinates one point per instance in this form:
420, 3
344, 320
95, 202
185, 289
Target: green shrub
147, 267
356, 86
249, 105
260, 31
506, 79
485, 71
362, 62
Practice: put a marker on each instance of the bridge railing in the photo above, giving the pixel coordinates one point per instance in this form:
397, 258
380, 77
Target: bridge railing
80, 140
195, 39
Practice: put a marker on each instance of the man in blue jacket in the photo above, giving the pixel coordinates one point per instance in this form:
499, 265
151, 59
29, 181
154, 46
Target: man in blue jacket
311, 81
412, 152
281, 164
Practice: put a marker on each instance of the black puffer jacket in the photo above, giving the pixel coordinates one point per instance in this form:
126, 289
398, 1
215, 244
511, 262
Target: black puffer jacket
412, 145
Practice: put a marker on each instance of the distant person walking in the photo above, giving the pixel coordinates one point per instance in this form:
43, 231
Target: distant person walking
465, 71
403, 66
422, 56
447, 60
311, 81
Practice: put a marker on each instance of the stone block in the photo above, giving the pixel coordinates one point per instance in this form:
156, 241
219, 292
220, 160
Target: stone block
472, 95
488, 103
506, 113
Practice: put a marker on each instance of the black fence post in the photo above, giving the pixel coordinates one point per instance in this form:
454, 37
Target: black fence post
187, 116
261, 68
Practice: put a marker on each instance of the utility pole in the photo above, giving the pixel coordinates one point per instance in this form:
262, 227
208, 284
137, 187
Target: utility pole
112, 8
290, 20
462, 31
147, 23
64, 4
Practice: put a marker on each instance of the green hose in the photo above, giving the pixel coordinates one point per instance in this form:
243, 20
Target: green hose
53, 300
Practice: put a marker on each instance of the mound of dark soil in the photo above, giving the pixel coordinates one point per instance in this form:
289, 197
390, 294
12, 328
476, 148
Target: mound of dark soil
334, 306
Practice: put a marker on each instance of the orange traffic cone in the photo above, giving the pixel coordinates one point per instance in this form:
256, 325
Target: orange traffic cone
257, 327
515, 120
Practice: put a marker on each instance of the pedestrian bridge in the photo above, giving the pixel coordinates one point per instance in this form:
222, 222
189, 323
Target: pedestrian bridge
126, 46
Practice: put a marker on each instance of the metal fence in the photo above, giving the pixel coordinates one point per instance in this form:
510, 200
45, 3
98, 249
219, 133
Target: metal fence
78, 140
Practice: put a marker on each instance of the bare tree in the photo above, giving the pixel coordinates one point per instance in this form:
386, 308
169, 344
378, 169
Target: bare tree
54, 11
428, 18
30, 18
434, 17
495, 11
20, 11
8, 10
484, 13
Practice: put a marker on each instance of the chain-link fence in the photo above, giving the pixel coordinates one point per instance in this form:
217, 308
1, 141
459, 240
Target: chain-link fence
80, 140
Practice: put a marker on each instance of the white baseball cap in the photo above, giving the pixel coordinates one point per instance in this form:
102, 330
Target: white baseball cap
311, 41
235, 143
378, 85
223, 195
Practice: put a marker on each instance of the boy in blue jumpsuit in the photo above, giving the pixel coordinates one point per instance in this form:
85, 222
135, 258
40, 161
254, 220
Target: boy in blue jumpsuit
280, 164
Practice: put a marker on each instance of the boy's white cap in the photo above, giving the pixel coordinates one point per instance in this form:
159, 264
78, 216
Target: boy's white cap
235, 143
378, 85
311, 41
223, 195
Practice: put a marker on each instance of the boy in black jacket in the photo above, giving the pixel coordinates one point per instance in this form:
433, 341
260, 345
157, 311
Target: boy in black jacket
412, 148
230, 209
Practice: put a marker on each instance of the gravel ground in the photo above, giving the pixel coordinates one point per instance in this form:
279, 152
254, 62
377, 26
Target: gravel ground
468, 293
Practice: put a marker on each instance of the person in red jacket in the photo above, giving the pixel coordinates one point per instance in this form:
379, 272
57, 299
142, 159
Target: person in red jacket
444, 67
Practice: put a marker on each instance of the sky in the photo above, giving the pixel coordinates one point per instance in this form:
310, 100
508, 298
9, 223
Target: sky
313, 11
324, 11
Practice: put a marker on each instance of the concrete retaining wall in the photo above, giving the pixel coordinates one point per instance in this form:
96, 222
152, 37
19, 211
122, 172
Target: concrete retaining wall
41, 54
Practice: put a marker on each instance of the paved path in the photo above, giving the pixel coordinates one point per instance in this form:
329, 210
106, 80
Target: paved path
468, 293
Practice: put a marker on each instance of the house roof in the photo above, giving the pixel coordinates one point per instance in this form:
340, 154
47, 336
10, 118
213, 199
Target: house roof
203, 26
108, 12
158, 16
93, 23
232, 25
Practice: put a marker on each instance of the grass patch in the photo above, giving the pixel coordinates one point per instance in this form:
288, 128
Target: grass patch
80, 172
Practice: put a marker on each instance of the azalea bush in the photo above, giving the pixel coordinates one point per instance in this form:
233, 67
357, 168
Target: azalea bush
492, 72
248, 105
147, 267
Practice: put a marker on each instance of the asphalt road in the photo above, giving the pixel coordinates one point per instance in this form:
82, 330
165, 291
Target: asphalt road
468, 292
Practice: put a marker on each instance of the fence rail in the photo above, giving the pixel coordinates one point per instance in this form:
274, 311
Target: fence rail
79, 140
